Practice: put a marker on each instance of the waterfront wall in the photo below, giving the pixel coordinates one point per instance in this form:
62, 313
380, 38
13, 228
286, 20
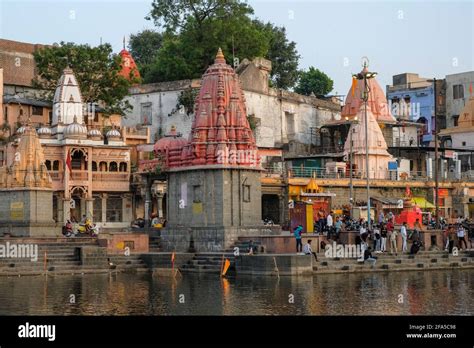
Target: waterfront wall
274, 265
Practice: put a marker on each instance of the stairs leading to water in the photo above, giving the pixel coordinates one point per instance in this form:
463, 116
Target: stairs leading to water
208, 263
388, 262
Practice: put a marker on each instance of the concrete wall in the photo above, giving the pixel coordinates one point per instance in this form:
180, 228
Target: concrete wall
27, 213
214, 198
455, 106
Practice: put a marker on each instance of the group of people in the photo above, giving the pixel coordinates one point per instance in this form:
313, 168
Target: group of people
455, 234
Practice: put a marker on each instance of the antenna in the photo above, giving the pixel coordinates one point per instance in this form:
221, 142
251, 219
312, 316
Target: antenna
124, 42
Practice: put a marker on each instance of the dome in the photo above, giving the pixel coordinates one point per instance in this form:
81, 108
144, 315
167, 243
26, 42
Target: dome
94, 133
170, 141
75, 130
44, 132
20, 130
113, 134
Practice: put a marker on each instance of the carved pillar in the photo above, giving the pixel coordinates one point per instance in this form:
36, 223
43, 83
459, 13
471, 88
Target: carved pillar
90, 208
160, 205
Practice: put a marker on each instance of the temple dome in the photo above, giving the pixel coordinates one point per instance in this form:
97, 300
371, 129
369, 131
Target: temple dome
67, 101
75, 130
377, 101
113, 134
20, 130
44, 132
171, 140
94, 133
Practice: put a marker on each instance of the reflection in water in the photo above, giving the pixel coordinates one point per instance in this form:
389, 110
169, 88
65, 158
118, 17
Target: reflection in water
433, 292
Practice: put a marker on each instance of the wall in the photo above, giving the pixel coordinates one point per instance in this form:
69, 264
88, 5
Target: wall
455, 106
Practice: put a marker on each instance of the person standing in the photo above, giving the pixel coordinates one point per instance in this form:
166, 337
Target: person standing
383, 238
298, 231
451, 237
403, 233
338, 226
461, 233
377, 239
393, 242
329, 224
381, 218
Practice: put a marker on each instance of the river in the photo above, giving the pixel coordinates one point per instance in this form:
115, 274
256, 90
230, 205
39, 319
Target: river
445, 292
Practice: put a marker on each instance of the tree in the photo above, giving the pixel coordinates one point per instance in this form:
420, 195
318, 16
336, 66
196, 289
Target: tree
174, 16
144, 45
195, 29
96, 69
314, 81
283, 55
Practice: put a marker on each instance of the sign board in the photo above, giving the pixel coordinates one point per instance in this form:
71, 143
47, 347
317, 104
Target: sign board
450, 154
17, 211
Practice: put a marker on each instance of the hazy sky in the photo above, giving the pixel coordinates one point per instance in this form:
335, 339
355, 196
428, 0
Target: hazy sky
432, 38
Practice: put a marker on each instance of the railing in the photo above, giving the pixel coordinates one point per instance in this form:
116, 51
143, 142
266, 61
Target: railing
107, 176
79, 175
56, 175
389, 175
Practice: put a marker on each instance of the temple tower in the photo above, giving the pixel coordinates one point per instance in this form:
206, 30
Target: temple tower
214, 192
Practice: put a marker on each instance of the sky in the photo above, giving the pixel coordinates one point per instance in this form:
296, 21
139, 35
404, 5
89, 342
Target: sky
431, 38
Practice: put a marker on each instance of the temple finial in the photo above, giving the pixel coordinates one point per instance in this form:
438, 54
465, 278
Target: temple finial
124, 42
220, 56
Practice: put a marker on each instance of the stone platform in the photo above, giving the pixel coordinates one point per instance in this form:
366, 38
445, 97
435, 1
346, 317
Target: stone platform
210, 239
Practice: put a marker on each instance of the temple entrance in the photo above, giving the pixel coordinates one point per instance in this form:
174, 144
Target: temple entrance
77, 204
271, 208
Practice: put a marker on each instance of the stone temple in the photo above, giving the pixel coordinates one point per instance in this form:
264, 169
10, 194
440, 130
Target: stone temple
214, 192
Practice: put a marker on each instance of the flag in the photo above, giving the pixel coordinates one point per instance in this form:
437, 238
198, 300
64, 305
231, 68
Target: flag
354, 85
69, 160
226, 266
172, 258
470, 89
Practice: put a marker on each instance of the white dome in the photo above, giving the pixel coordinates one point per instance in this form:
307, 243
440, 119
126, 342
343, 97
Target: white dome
113, 133
20, 130
94, 133
75, 130
44, 131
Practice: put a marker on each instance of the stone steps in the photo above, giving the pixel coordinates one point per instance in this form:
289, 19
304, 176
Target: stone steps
208, 263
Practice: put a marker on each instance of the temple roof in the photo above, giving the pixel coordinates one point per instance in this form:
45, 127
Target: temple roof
377, 101
129, 67
220, 133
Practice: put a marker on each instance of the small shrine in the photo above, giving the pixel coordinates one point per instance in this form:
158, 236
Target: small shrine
411, 212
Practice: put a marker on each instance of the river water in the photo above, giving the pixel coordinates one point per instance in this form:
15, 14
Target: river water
444, 292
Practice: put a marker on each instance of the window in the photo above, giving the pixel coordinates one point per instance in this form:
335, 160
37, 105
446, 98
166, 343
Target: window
48, 164
197, 194
455, 120
97, 208
123, 167
37, 110
94, 166
463, 143
146, 114
6, 114
458, 92
50, 117
113, 167
56, 165
103, 166
114, 209
246, 193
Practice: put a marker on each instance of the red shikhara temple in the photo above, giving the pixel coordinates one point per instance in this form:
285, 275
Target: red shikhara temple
129, 67
220, 135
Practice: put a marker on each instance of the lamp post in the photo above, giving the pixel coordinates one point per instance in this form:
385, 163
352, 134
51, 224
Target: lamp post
366, 75
351, 185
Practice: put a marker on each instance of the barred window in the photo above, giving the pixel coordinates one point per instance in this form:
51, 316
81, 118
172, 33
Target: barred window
114, 209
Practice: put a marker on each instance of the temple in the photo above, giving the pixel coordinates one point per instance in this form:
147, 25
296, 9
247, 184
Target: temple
129, 68
213, 177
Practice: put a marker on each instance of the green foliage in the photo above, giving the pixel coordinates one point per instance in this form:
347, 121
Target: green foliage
314, 81
144, 45
193, 30
96, 69
187, 99
283, 55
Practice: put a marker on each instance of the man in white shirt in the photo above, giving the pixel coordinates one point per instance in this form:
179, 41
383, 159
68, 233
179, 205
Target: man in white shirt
308, 251
461, 233
403, 233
